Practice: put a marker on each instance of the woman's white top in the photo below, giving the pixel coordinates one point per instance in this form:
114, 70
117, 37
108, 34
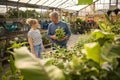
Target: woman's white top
36, 36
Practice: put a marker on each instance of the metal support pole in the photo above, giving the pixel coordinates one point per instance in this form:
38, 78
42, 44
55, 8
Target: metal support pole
18, 9
116, 3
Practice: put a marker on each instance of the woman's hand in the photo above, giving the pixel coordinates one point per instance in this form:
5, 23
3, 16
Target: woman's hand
35, 55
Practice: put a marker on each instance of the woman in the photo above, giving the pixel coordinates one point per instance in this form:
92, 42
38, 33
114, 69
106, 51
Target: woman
35, 38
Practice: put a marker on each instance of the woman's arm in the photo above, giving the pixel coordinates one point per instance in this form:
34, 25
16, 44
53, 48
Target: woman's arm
31, 46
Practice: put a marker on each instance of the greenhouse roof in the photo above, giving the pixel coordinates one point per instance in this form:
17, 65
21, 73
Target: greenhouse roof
69, 5
59, 4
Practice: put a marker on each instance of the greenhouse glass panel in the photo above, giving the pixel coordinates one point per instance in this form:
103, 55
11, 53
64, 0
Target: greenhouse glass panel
33, 1
40, 10
119, 6
24, 1
64, 5
13, 0
104, 1
98, 2
99, 6
106, 6
107, 1
48, 2
41, 2
56, 2
70, 3
2, 9
23, 8
113, 2
67, 3
77, 8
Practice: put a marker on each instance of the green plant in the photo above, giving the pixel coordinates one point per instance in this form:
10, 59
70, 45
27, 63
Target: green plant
45, 39
33, 66
13, 73
109, 25
96, 59
17, 42
105, 27
84, 38
0, 68
15, 13
2, 48
2, 16
59, 32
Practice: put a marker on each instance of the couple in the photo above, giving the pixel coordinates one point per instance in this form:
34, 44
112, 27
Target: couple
35, 39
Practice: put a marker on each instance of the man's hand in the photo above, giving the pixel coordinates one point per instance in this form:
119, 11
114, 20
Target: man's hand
53, 37
64, 38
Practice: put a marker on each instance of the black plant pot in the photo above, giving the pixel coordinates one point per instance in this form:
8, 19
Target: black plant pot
116, 11
109, 12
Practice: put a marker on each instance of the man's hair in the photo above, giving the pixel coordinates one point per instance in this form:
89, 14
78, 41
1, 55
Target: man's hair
54, 14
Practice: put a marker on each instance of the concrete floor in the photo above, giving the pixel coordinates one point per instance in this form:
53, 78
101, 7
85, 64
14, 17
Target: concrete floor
71, 42
73, 39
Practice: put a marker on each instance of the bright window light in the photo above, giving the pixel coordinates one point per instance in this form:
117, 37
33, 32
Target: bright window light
41, 2
24, 1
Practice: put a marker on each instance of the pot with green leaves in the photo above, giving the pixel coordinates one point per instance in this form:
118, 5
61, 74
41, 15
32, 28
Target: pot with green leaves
59, 32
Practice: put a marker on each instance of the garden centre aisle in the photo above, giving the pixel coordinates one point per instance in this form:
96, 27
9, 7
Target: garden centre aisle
73, 39
71, 42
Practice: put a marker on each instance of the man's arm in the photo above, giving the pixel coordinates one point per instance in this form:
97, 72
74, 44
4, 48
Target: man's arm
49, 33
68, 32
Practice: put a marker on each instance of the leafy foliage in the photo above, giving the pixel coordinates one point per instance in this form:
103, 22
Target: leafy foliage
93, 51
84, 38
94, 58
59, 32
33, 66
103, 37
93, 62
45, 39
15, 13
109, 26
13, 73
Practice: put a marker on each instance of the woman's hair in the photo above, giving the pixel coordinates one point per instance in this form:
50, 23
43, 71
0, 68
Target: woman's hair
54, 14
31, 21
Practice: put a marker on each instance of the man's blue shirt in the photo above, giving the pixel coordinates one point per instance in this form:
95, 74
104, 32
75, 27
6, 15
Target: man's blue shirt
51, 31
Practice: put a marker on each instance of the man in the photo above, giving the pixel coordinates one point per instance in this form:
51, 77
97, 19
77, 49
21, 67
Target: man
53, 26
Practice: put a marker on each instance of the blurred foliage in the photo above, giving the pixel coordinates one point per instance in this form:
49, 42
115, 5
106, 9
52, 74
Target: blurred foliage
16, 13
92, 62
45, 39
2, 16
84, 38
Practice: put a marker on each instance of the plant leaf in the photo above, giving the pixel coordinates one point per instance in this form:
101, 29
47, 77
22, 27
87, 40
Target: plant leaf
110, 52
93, 51
32, 68
97, 34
